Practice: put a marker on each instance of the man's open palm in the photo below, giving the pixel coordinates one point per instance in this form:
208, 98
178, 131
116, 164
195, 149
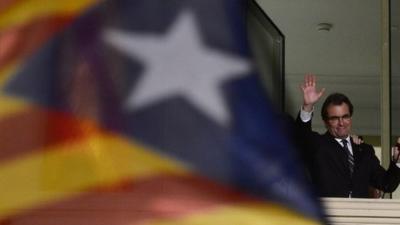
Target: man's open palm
310, 93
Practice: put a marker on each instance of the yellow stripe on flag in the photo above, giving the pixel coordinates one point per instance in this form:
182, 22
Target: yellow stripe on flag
27, 10
69, 169
11, 106
242, 214
6, 72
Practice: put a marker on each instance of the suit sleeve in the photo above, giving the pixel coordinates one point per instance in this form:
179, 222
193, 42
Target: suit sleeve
303, 126
306, 139
385, 180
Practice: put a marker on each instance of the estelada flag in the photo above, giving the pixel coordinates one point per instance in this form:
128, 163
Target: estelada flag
139, 112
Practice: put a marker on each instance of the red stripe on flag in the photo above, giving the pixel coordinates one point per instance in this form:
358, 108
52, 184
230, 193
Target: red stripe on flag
35, 129
19, 42
167, 197
5, 4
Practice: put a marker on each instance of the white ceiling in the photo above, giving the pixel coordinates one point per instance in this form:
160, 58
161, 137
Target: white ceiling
346, 59
351, 47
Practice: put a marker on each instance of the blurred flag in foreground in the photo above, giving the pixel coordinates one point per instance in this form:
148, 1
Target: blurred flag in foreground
139, 112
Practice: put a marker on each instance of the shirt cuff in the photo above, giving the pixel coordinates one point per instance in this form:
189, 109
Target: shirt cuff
306, 116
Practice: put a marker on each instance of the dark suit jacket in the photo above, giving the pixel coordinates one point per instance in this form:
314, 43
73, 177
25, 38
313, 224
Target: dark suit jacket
329, 170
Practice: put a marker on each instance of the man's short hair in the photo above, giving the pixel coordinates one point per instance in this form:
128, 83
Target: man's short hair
335, 99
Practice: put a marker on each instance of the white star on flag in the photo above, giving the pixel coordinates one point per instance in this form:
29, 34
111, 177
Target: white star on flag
179, 64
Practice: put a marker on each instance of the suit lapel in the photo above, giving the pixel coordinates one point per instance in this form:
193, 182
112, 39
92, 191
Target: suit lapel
356, 154
338, 155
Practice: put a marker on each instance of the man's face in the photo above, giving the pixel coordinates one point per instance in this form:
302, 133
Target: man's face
338, 122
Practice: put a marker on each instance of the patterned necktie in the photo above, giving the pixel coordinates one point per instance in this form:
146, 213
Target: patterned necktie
350, 157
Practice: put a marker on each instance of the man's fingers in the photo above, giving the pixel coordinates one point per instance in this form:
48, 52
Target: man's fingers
321, 92
356, 139
395, 153
310, 80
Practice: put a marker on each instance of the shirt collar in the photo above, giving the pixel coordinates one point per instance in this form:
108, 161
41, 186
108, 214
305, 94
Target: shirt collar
340, 139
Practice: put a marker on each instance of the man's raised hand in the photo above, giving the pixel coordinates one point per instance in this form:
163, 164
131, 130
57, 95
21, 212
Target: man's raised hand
310, 93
